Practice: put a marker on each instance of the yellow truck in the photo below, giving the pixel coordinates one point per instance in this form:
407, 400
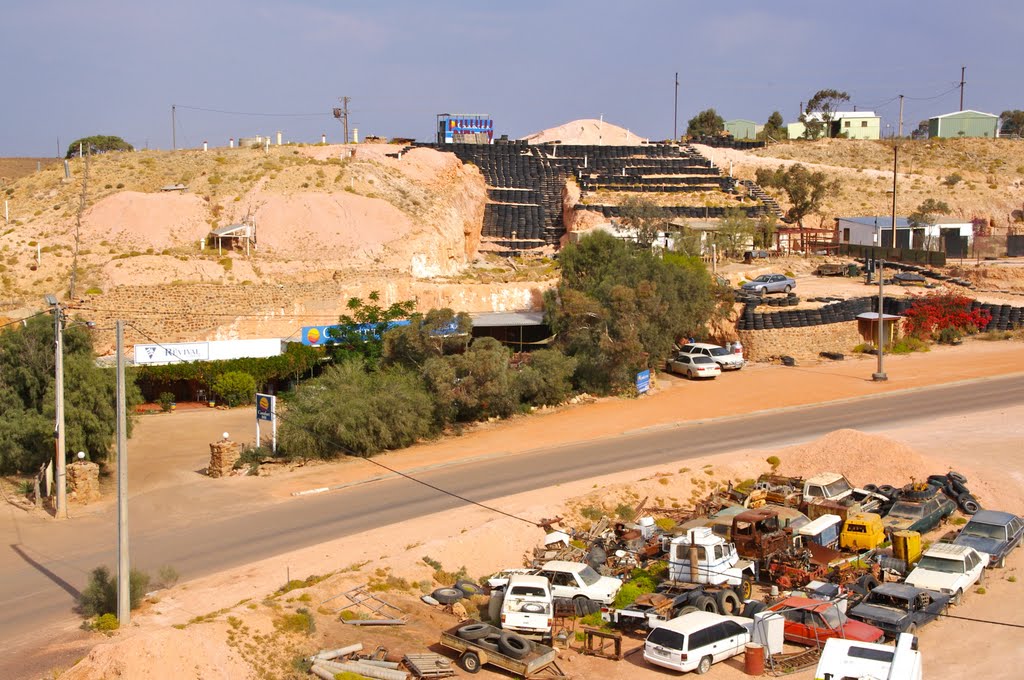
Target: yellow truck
862, 531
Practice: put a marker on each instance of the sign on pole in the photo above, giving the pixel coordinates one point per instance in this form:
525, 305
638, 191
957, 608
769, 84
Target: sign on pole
643, 381
266, 409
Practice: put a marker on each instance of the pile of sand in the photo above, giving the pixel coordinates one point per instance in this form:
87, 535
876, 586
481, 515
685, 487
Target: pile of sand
587, 131
146, 220
862, 458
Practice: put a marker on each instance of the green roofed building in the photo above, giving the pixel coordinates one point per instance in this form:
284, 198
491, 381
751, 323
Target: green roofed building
963, 124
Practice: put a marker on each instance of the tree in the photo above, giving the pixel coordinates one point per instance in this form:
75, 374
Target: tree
1013, 122
360, 334
775, 127
350, 410
27, 396
546, 378
97, 144
806, 190
821, 109
707, 123
475, 385
764, 231
100, 595
735, 232
439, 332
619, 309
643, 216
926, 212
235, 388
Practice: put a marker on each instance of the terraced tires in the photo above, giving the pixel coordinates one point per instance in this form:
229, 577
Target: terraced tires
515, 646
704, 666
470, 662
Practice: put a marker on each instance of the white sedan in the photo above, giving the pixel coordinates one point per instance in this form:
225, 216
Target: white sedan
694, 366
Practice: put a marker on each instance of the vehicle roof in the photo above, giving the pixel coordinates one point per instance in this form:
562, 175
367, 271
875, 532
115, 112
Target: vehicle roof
864, 517
527, 580
950, 550
992, 517
824, 478
702, 345
756, 514
693, 621
819, 523
904, 590
564, 565
796, 602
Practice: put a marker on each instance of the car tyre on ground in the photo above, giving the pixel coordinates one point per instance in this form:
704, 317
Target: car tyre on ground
447, 595
704, 666
468, 588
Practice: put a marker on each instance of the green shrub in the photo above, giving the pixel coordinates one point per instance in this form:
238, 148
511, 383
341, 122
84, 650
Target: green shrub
863, 348
100, 594
106, 623
625, 512
774, 461
166, 401
235, 388
167, 576
949, 336
299, 622
592, 513
908, 345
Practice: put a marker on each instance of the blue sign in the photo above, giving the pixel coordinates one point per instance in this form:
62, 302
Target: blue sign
318, 336
265, 407
643, 381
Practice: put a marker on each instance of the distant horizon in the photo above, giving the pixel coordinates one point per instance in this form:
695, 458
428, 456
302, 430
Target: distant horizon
531, 66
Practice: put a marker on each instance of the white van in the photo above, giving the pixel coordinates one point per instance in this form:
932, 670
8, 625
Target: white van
694, 641
527, 607
842, 659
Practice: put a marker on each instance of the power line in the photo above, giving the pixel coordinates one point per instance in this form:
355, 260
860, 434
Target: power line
11, 323
1006, 624
352, 454
147, 312
943, 94
253, 113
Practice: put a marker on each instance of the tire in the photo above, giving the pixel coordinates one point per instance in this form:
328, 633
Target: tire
937, 480
470, 662
745, 589
689, 609
868, 583
447, 595
515, 646
750, 609
728, 602
704, 666
468, 588
787, 289
474, 631
957, 598
886, 489
533, 608
958, 486
968, 503
706, 603
490, 642
871, 487
1001, 562
956, 477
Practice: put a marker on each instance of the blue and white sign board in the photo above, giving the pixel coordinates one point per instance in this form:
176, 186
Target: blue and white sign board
266, 409
643, 382
319, 336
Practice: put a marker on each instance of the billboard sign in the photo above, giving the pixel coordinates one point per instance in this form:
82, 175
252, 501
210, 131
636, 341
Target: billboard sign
643, 382
319, 336
265, 407
172, 352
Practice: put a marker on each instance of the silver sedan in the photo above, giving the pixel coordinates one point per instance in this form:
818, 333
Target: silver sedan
770, 283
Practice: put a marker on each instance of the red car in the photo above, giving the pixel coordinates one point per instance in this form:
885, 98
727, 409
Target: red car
812, 622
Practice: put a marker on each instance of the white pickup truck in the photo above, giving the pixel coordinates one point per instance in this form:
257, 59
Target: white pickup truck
832, 486
851, 659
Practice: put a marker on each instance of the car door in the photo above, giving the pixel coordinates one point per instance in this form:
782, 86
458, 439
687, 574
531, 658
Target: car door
1016, 529
717, 637
795, 629
973, 565
735, 640
561, 583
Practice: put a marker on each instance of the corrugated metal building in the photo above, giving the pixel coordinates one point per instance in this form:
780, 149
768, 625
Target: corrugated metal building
741, 128
967, 123
852, 124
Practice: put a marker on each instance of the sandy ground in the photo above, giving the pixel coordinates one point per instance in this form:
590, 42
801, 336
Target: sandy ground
483, 543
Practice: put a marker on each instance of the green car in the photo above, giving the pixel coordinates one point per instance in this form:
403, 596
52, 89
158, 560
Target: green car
918, 515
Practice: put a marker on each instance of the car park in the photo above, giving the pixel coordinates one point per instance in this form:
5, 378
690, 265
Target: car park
812, 622
993, 533
726, 360
694, 366
770, 283
949, 569
574, 579
900, 608
695, 641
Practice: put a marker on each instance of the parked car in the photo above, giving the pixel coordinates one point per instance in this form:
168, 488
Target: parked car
993, 533
812, 622
527, 607
726, 360
899, 608
695, 641
694, 366
918, 515
842, 659
770, 283
950, 569
575, 579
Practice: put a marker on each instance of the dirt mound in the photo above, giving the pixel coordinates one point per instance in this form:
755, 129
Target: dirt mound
587, 131
140, 220
993, 277
862, 458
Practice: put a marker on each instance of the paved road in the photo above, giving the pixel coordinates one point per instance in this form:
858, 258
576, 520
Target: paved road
39, 581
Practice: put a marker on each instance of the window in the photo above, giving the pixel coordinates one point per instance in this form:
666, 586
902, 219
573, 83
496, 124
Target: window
863, 123
733, 628
972, 561
667, 638
719, 552
700, 638
846, 234
856, 528
589, 576
846, 123
815, 491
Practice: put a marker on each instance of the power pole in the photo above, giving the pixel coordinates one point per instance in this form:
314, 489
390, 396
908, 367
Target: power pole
895, 155
123, 585
675, 112
344, 116
174, 131
963, 70
58, 388
901, 115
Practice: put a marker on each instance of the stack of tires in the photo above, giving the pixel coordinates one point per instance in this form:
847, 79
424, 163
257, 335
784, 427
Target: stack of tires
492, 639
954, 485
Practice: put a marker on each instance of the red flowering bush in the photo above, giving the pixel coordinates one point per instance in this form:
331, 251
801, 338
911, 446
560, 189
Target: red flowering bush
944, 317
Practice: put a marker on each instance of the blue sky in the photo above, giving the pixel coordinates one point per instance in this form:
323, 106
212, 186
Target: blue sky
80, 67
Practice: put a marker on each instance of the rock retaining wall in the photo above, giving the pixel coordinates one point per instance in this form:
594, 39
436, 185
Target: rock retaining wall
800, 343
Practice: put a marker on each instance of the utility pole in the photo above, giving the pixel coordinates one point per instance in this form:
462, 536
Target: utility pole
61, 510
963, 70
901, 115
879, 375
123, 585
675, 112
344, 116
895, 155
174, 131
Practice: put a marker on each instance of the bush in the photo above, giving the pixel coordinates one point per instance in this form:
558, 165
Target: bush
100, 595
625, 512
953, 179
299, 622
774, 461
106, 623
166, 401
547, 379
908, 345
235, 388
167, 576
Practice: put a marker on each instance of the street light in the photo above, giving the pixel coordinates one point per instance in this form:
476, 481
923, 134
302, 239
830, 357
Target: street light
61, 507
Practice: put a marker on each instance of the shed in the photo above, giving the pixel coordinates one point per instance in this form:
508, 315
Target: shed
741, 128
867, 326
235, 233
522, 331
967, 123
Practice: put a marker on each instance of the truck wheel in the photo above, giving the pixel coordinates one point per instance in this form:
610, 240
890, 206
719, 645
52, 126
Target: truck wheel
514, 645
686, 610
745, 589
470, 662
704, 666
728, 602
447, 595
706, 603
753, 608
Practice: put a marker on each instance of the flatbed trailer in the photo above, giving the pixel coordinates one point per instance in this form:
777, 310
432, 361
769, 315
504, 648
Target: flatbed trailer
540, 662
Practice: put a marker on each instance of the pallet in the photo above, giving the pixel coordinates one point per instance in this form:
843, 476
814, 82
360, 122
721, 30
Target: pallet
429, 665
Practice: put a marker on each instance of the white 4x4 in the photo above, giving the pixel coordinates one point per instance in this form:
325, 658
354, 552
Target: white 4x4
527, 606
574, 579
950, 569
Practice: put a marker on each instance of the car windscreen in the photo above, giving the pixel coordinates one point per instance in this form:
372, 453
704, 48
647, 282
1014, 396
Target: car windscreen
703, 360
909, 510
589, 576
939, 564
833, 617
837, 487
982, 530
719, 352
886, 600
763, 278
667, 638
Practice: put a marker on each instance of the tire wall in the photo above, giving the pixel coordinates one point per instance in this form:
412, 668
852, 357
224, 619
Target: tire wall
800, 343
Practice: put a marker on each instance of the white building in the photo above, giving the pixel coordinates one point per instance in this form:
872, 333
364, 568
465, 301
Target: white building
849, 124
872, 231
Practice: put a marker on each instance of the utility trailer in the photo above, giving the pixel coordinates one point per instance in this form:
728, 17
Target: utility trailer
539, 662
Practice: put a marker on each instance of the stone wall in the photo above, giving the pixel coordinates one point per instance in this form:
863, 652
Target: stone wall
800, 343
83, 481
